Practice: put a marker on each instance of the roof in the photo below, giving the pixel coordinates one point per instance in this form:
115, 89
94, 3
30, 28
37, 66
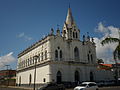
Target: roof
107, 65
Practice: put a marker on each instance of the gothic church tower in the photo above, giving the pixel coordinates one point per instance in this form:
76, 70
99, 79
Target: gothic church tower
70, 29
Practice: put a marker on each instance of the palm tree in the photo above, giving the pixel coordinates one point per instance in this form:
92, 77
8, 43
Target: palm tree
116, 52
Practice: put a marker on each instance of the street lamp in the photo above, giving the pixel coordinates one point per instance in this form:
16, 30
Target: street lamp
35, 58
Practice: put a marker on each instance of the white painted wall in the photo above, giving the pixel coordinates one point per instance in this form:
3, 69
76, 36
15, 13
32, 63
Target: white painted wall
41, 73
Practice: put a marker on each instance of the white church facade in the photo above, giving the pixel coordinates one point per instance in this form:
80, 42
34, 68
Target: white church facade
60, 58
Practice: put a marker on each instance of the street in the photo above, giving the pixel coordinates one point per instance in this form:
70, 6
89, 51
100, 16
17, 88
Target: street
104, 88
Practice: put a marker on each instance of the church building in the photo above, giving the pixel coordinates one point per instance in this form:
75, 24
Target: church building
60, 58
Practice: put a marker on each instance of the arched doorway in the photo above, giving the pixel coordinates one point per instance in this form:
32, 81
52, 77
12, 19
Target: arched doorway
77, 77
59, 77
91, 76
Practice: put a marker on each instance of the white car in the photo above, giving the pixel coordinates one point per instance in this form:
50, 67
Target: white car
87, 86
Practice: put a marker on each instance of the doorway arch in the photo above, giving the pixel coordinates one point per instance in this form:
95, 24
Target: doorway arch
77, 76
91, 76
59, 77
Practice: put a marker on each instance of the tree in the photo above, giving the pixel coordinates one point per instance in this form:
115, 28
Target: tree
116, 52
100, 61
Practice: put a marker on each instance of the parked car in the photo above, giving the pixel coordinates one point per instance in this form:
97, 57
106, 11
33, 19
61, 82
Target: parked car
87, 86
52, 86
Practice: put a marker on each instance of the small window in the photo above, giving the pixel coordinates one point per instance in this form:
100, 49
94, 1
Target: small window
91, 58
73, 35
33, 60
38, 57
28, 62
60, 54
44, 80
56, 54
58, 47
64, 31
45, 55
76, 35
76, 53
42, 56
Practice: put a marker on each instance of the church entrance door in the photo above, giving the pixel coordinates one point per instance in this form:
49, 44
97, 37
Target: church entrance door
59, 77
91, 76
77, 77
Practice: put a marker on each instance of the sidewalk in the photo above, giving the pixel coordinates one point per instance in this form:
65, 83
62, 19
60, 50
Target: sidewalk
25, 88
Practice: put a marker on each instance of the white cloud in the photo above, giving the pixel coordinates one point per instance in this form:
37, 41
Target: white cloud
106, 52
21, 35
24, 36
6, 59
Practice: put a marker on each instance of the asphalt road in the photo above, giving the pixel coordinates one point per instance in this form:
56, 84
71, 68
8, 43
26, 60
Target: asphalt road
104, 88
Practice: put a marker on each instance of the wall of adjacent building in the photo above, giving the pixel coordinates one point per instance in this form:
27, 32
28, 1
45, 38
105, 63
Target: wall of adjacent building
42, 73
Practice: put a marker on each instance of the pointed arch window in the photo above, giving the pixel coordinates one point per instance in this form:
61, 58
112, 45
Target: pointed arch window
45, 55
76, 35
28, 62
38, 57
76, 53
60, 54
42, 56
73, 35
56, 54
91, 58
59, 77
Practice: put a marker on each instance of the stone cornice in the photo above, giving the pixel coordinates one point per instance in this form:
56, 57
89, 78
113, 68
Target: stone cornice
56, 62
40, 42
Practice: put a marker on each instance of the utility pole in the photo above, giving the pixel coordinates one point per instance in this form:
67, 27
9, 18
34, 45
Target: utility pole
35, 58
7, 70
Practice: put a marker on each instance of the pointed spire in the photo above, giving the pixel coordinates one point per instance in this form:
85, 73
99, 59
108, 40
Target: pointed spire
69, 20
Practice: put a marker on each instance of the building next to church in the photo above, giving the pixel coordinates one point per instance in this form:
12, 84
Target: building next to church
8, 77
62, 58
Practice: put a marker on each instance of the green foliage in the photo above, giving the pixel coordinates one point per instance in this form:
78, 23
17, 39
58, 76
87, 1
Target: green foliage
100, 61
108, 40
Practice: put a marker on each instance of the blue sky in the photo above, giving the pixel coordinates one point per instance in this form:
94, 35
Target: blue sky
23, 22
